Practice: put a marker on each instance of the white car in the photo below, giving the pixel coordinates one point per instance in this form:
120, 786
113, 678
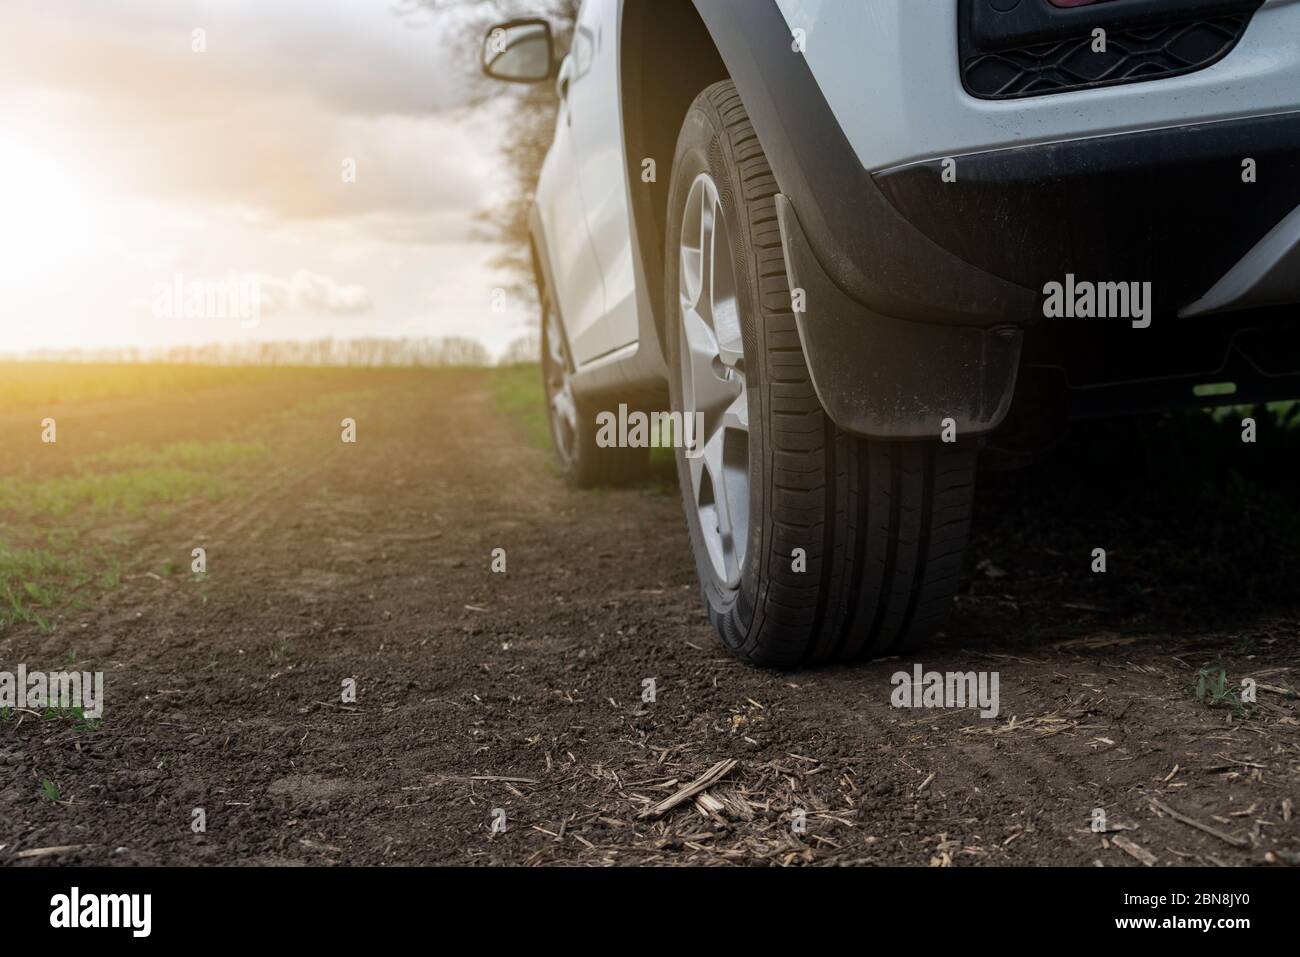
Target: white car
869, 239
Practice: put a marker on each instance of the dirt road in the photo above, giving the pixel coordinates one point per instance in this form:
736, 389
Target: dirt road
479, 692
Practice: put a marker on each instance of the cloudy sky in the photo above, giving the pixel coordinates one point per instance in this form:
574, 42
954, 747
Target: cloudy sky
128, 161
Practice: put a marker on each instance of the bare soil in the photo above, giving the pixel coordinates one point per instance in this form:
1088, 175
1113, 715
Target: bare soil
522, 691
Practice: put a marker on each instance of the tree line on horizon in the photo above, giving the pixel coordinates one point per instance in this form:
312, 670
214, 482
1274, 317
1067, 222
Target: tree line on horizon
411, 352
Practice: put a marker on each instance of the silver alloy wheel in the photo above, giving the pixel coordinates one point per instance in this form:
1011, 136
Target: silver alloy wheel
559, 390
713, 381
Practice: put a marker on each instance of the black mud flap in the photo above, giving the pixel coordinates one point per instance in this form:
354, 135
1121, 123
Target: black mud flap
885, 378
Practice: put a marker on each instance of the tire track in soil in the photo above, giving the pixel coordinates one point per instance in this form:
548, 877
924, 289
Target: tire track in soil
522, 692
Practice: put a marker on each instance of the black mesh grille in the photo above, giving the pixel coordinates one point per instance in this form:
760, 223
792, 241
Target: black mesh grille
1132, 55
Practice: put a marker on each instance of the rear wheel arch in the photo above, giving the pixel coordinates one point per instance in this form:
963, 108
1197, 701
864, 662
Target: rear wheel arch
666, 57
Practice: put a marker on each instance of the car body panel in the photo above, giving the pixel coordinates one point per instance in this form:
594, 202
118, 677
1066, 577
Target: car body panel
595, 111
856, 116
579, 288
890, 71
582, 197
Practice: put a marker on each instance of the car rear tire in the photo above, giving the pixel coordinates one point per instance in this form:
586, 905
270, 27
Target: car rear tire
811, 545
580, 459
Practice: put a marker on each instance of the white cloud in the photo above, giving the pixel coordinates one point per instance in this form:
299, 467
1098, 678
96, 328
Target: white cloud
230, 161
310, 292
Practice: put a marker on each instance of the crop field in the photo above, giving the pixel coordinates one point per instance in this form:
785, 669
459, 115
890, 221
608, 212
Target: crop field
499, 631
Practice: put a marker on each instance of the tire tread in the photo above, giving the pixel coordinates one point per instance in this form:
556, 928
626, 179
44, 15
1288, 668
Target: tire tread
883, 524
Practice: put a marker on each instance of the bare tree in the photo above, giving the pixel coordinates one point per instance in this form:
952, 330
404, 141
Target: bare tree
524, 350
450, 351
531, 109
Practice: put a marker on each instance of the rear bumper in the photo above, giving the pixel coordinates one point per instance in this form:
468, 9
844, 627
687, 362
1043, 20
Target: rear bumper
917, 289
1012, 49
1171, 207
892, 73
1168, 207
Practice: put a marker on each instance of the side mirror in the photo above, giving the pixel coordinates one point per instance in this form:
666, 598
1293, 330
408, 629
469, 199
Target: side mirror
519, 51
565, 77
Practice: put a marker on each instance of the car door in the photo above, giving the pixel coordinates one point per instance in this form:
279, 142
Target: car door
580, 289
595, 123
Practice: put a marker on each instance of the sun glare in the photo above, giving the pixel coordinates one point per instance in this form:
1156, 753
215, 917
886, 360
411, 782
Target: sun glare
52, 216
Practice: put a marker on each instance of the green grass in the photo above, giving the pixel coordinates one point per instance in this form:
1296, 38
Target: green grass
519, 394
54, 383
127, 493
66, 536
195, 456
76, 715
1211, 689
42, 557
33, 581
128, 480
110, 577
1283, 416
